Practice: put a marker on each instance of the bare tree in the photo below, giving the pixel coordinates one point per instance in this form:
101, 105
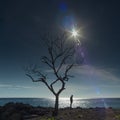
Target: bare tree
58, 59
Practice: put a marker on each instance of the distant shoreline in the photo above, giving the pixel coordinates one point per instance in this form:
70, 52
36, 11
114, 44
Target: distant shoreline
60, 98
65, 102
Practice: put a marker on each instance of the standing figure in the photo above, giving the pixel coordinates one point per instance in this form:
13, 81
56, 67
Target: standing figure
71, 101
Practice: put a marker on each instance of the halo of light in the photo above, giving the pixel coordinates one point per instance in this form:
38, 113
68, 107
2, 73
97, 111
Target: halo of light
74, 33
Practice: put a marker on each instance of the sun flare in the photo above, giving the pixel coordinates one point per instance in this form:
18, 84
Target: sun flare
74, 33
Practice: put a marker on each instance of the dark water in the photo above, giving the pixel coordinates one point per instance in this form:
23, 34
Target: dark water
84, 103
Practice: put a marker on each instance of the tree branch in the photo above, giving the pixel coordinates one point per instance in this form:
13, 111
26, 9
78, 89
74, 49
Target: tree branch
44, 81
40, 80
47, 61
63, 86
62, 62
54, 82
67, 70
51, 85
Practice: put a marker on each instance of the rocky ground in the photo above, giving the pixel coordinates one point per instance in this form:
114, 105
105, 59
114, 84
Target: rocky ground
19, 111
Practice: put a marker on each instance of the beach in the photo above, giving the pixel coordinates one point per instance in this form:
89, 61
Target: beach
20, 111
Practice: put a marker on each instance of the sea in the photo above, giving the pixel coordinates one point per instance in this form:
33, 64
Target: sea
65, 102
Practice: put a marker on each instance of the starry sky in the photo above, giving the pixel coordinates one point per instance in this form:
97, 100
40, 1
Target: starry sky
22, 22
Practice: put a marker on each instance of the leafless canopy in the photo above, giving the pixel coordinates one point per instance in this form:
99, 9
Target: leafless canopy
60, 51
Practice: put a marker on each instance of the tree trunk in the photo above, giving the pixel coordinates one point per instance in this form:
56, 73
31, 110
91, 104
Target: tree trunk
55, 112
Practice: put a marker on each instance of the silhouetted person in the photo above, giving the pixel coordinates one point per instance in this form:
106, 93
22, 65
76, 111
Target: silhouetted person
71, 101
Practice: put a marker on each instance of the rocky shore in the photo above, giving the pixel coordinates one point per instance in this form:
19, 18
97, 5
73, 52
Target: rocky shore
20, 111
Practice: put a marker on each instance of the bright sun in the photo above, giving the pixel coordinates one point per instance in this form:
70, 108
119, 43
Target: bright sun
74, 33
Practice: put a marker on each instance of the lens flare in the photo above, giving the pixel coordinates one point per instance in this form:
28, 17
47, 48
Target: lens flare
74, 33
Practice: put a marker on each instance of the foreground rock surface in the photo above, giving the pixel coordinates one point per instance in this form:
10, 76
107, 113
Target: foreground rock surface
19, 111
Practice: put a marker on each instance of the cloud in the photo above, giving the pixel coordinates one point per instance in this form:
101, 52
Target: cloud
91, 71
5, 85
16, 86
110, 86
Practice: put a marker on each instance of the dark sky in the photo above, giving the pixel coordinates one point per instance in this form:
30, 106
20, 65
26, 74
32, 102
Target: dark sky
23, 21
